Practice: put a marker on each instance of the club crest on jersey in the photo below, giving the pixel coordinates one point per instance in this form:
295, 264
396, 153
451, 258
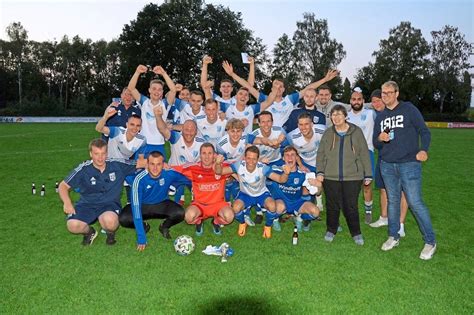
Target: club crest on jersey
93, 181
217, 177
119, 112
315, 119
363, 117
219, 128
296, 181
112, 177
161, 181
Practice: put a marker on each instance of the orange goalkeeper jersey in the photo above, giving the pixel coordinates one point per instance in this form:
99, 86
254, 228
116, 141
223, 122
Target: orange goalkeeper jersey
208, 188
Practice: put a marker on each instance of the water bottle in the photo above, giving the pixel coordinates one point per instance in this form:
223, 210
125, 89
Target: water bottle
57, 187
43, 191
33, 189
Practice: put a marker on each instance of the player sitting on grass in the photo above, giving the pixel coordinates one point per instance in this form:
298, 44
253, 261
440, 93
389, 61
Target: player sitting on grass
253, 191
291, 196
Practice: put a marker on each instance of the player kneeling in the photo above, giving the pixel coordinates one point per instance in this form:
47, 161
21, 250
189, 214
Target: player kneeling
291, 196
253, 191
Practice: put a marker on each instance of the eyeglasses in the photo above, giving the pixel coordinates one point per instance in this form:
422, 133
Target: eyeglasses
387, 93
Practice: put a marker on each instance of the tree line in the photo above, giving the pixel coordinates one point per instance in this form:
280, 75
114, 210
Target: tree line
79, 76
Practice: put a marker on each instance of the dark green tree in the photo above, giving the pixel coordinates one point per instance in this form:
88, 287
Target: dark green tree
284, 63
346, 91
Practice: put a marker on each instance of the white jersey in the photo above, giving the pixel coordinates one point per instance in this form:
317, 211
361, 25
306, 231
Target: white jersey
267, 152
230, 153
252, 184
149, 128
365, 120
186, 113
231, 111
211, 132
180, 152
230, 101
307, 149
281, 111
118, 146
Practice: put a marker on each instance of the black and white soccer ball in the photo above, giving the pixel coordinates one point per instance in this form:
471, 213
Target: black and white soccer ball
184, 245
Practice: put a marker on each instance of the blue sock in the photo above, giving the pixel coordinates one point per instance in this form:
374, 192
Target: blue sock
269, 217
239, 216
308, 217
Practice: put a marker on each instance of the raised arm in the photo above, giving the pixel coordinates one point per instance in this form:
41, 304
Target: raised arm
207, 88
251, 77
171, 96
270, 99
109, 112
281, 178
132, 85
230, 72
160, 123
331, 74
204, 72
219, 169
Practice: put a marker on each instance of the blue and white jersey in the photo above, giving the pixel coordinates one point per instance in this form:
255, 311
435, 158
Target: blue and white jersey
231, 111
186, 111
121, 117
118, 146
281, 111
307, 149
365, 120
96, 187
253, 184
211, 132
148, 190
232, 154
290, 191
270, 153
149, 128
230, 101
180, 152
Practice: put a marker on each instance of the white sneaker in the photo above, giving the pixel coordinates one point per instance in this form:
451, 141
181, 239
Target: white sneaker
401, 232
390, 243
249, 220
428, 251
380, 222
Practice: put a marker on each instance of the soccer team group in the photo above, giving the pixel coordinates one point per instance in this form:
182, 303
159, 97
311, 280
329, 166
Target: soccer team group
305, 145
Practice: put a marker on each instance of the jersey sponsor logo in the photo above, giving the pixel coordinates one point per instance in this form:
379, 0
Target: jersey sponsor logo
112, 177
161, 181
93, 181
148, 186
209, 187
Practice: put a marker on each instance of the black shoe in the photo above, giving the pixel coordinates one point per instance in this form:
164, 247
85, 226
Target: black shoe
89, 237
216, 228
199, 229
110, 240
258, 219
146, 226
164, 231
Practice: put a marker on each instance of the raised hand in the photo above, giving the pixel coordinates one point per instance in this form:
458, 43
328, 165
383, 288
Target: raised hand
286, 169
142, 69
207, 60
251, 59
157, 110
228, 68
159, 70
209, 84
111, 110
179, 87
219, 159
331, 74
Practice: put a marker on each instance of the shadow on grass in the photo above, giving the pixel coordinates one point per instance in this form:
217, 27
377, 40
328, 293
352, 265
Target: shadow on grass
239, 305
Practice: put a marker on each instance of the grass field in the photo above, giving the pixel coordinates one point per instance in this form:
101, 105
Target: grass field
46, 270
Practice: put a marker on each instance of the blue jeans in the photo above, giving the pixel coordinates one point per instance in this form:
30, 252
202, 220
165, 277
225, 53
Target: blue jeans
407, 177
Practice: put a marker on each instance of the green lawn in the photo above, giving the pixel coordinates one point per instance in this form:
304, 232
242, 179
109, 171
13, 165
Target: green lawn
46, 270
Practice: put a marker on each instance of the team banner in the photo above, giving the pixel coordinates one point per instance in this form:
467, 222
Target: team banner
28, 119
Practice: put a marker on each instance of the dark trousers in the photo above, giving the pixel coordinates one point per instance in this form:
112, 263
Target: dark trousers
342, 195
169, 210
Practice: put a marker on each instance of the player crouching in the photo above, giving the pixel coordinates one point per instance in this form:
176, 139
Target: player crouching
253, 191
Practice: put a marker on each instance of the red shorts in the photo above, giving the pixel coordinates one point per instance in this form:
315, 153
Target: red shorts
210, 211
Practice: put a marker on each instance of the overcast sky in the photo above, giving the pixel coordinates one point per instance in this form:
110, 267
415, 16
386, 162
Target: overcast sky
358, 25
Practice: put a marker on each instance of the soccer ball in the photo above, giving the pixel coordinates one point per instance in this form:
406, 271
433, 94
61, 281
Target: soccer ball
184, 245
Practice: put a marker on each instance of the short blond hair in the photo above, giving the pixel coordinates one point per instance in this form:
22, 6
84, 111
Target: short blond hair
235, 123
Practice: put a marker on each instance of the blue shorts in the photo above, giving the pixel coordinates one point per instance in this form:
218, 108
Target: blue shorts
293, 206
378, 176
372, 161
155, 147
90, 213
250, 201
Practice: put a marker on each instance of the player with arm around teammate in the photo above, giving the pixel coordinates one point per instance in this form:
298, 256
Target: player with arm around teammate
253, 190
